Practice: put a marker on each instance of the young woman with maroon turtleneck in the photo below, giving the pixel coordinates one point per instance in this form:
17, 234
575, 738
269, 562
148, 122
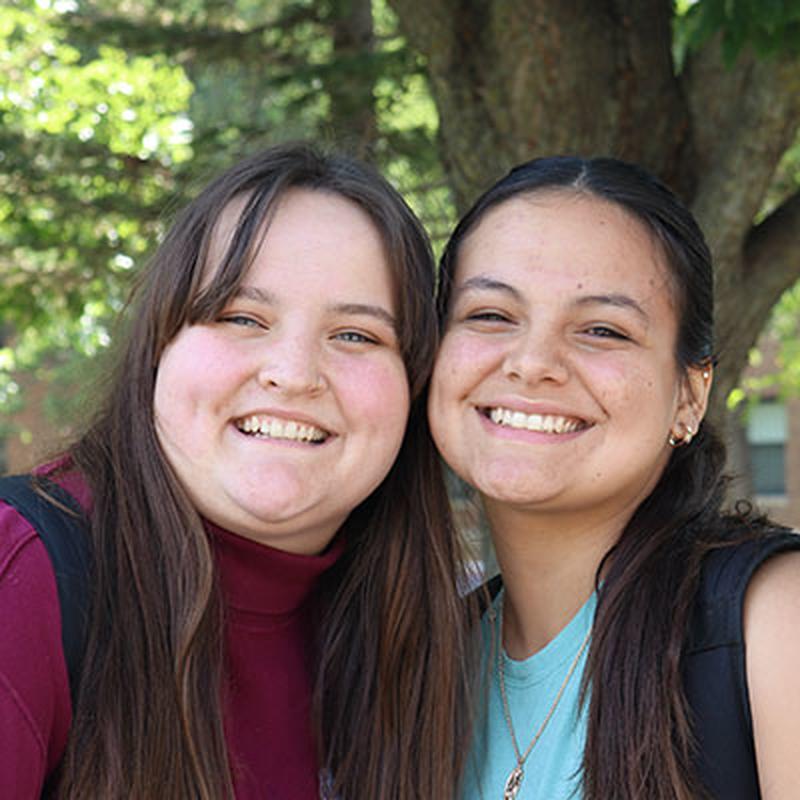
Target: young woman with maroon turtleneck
274, 610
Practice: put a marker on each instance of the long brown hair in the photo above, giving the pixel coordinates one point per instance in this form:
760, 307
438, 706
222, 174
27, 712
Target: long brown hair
148, 716
639, 740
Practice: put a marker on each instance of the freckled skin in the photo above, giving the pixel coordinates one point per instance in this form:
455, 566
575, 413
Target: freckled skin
552, 347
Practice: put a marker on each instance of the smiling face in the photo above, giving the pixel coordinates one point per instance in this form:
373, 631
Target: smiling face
556, 386
284, 413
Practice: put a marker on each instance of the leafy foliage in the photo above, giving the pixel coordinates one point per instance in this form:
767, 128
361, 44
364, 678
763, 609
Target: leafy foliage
768, 26
112, 111
88, 143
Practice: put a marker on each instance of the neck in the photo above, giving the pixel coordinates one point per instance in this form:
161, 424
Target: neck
549, 569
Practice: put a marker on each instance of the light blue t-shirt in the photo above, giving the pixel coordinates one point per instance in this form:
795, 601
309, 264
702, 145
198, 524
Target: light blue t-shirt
552, 770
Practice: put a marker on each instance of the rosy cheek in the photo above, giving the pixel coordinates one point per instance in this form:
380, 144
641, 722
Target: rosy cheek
375, 390
196, 368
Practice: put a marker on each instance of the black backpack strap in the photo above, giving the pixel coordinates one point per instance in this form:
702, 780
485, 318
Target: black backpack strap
714, 670
64, 535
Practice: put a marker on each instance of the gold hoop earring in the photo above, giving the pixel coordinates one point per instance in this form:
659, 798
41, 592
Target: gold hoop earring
679, 441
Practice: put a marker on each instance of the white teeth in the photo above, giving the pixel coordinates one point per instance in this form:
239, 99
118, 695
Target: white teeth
543, 423
276, 429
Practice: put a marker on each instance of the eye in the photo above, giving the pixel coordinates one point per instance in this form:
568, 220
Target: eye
241, 320
355, 337
487, 316
606, 332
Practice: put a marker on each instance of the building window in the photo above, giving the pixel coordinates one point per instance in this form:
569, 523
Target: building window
766, 439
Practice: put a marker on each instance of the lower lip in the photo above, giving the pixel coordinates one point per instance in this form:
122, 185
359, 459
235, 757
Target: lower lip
524, 435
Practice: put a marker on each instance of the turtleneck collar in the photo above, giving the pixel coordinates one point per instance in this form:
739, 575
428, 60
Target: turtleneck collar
259, 579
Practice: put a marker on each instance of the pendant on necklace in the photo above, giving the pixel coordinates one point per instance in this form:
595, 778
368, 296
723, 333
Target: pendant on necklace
513, 783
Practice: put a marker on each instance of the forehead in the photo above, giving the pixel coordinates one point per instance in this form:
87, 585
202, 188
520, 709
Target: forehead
309, 242
311, 208
556, 238
298, 220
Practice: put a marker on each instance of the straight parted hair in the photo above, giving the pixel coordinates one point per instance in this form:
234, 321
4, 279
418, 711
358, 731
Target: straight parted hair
392, 686
639, 739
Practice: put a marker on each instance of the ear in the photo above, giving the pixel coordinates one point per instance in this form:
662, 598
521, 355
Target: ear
693, 401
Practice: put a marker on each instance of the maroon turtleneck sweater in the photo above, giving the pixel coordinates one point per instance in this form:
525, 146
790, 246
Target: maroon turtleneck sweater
268, 596
270, 627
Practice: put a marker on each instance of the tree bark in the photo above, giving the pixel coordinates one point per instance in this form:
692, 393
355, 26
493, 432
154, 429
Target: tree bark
350, 86
513, 79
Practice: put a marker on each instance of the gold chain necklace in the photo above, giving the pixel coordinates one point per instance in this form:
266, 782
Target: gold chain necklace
514, 780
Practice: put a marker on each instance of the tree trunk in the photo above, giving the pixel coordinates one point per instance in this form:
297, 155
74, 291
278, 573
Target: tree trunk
350, 86
513, 79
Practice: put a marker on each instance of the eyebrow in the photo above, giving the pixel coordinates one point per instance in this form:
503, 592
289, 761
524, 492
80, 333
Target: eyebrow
484, 282
614, 299
267, 297
365, 309
257, 294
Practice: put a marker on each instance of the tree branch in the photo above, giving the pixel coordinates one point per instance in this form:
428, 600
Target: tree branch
770, 265
772, 249
744, 118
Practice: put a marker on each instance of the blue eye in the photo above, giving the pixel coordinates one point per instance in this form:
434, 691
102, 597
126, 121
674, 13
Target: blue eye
241, 320
356, 337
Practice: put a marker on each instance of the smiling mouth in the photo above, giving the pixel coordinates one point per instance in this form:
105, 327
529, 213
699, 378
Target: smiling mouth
541, 423
272, 428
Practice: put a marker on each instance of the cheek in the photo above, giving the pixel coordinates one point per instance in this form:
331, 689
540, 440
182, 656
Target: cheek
615, 381
637, 394
376, 394
172, 386
460, 351
192, 372
461, 362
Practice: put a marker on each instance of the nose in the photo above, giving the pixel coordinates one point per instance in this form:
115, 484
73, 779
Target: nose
292, 364
536, 357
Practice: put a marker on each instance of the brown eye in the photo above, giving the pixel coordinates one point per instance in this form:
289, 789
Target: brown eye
487, 316
604, 332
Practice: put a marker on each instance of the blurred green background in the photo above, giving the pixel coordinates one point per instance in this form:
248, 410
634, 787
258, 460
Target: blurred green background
113, 112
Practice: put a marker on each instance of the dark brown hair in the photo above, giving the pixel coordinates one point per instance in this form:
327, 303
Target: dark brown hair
639, 739
392, 686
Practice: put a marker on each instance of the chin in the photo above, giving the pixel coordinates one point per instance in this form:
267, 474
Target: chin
510, 484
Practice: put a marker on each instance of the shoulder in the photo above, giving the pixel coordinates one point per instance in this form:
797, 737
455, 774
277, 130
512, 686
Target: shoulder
772, 609
774, 584
34, 689
727, 572
772, 652
730, 567
16, 536
742, 583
